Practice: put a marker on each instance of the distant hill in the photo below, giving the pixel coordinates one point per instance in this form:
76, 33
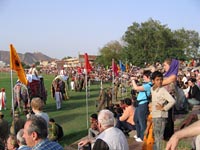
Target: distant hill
27, 58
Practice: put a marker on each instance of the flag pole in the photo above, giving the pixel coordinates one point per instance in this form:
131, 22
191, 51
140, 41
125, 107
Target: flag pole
13, 109
87, 70
113, 76
101, 85
86, 90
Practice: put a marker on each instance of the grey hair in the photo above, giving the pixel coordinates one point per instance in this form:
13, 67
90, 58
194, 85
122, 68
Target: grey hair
20, 138
106, 118
38, 125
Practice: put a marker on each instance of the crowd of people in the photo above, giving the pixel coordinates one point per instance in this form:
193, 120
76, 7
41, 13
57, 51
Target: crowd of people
173, 90
36, 132
149, 110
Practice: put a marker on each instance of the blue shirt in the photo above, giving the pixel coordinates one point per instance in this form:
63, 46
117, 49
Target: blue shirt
142, 95
24, 147
47, 145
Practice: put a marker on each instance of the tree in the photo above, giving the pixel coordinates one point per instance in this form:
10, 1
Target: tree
37, 63
149, 42
189, 40
25, 66
110, 51
66, 58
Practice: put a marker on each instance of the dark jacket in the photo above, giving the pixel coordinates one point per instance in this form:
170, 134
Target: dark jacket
194, 92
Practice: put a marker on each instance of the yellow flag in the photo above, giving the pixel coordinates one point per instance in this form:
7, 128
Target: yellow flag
15, 64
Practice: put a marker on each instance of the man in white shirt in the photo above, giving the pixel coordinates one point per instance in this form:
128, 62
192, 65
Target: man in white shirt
110, 137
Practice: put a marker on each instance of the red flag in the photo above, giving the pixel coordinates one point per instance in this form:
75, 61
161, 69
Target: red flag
87, 64
15, 64
114, 68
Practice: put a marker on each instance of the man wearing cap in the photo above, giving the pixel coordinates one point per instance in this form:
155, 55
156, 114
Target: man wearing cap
4, 126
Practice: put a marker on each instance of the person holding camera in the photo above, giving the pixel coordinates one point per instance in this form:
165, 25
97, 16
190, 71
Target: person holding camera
141, 111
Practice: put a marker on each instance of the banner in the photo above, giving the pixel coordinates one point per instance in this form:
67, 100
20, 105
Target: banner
122, 66
15, 64
87, 63
114, 68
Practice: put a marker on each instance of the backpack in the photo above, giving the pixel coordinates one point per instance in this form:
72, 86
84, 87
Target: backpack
148, 98
60, 132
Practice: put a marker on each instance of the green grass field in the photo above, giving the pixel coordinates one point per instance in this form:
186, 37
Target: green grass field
72, 116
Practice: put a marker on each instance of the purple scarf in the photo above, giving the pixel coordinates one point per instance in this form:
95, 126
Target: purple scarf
173, 69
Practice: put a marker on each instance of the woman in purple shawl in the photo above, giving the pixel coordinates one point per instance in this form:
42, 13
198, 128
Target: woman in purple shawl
171, 67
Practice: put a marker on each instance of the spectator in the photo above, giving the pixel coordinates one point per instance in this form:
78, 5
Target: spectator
122, 104
162, 101
2, 145
110, 138
3, 99
194, 92
37, 107
21, 141
53, 130
35, 134
17, 123
125, 122
190, 131
93, 130
12, 142
148, 135
141, 111
171, 67
4, 128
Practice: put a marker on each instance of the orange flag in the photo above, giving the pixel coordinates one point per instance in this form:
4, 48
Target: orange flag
15, 64
87, 63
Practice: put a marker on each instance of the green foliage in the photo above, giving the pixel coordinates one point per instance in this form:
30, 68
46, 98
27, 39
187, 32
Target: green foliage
37, 63
66, 57
151, 41
112, 50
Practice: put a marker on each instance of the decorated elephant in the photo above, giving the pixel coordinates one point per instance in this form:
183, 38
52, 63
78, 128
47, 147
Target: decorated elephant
60, 82
24, 93
21, 97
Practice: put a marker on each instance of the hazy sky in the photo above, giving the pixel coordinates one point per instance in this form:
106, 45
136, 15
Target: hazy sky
60, 28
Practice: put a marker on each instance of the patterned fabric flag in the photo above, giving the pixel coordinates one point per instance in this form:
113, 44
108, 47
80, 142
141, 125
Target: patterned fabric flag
114, 68
87, 64
15, 64
122, 66
127, 67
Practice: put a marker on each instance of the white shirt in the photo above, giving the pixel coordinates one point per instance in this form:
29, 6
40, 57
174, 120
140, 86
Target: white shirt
115, 139
161, 96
